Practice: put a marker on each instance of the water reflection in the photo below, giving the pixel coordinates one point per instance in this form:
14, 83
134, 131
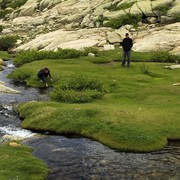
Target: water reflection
81, 158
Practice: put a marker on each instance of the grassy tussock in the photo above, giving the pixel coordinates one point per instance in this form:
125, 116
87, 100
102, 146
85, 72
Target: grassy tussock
18, 163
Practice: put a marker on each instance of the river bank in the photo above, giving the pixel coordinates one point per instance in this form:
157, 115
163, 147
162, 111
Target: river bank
87, 159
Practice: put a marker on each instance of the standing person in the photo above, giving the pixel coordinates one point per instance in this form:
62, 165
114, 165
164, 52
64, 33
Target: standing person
43, 74
127, 45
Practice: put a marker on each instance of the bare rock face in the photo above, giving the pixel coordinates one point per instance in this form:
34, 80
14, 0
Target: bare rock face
67, 39
159, 38
2, 63
48, 25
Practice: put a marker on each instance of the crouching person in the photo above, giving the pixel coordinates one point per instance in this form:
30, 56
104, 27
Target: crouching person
43, 74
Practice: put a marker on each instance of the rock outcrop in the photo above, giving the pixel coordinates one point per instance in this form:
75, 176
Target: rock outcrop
49, 25
5, 89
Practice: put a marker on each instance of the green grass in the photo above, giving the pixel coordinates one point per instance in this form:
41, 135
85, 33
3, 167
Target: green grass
139, 111
4, 55
101, 56
18, 163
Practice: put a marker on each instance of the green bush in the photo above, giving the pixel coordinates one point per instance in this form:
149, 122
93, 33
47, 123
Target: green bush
78, 89
16, 3
163, 56
12, 3
163, 8
8, 42
88, 50
30, 56
1, 28
128, 18
101, 19
4, 12
177, 17
68, 53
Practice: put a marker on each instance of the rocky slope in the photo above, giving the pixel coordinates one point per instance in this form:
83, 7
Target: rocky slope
48, 25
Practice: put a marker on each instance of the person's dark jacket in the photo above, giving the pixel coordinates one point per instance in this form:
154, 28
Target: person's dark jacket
43, 75
127, 44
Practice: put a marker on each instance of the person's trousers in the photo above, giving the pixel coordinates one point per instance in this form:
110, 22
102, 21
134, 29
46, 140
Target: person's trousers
126, 54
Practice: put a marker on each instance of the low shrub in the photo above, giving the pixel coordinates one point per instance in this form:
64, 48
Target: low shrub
128, 18
177, 17
101, 19
88, 50
1, 28
16, 3
8, 42
30, 56
68, 53
164, 56
12, 3
78, 89
163, 8
4, 12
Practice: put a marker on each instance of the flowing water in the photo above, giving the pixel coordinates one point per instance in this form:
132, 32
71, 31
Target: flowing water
80, 158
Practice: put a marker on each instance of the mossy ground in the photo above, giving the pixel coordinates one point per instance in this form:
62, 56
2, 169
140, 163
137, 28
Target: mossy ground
19, 163
139, 111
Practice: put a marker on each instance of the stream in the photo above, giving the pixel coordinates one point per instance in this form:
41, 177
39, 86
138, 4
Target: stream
80, 158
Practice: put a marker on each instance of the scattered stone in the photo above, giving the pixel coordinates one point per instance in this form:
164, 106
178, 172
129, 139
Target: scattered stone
7, 138
2, 63
103, 162
5, 89
109, 47
36, 19
91, 54
177, 66
176, 84
14, 144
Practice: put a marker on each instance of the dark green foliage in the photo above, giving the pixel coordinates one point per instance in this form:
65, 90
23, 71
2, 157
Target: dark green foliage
4, 12
101, 19
12, 3
163, 8
115, 7
7, 42
68, 53
1, 28
163, 56
16, 3
30, 56
88, 50
177, 17
123, 20
78, 89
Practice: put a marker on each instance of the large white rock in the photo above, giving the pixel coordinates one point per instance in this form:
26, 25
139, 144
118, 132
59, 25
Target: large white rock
29, 8
175, 9
5, 89
40, 17
177, 66
67, 39
166, 38
113, 37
